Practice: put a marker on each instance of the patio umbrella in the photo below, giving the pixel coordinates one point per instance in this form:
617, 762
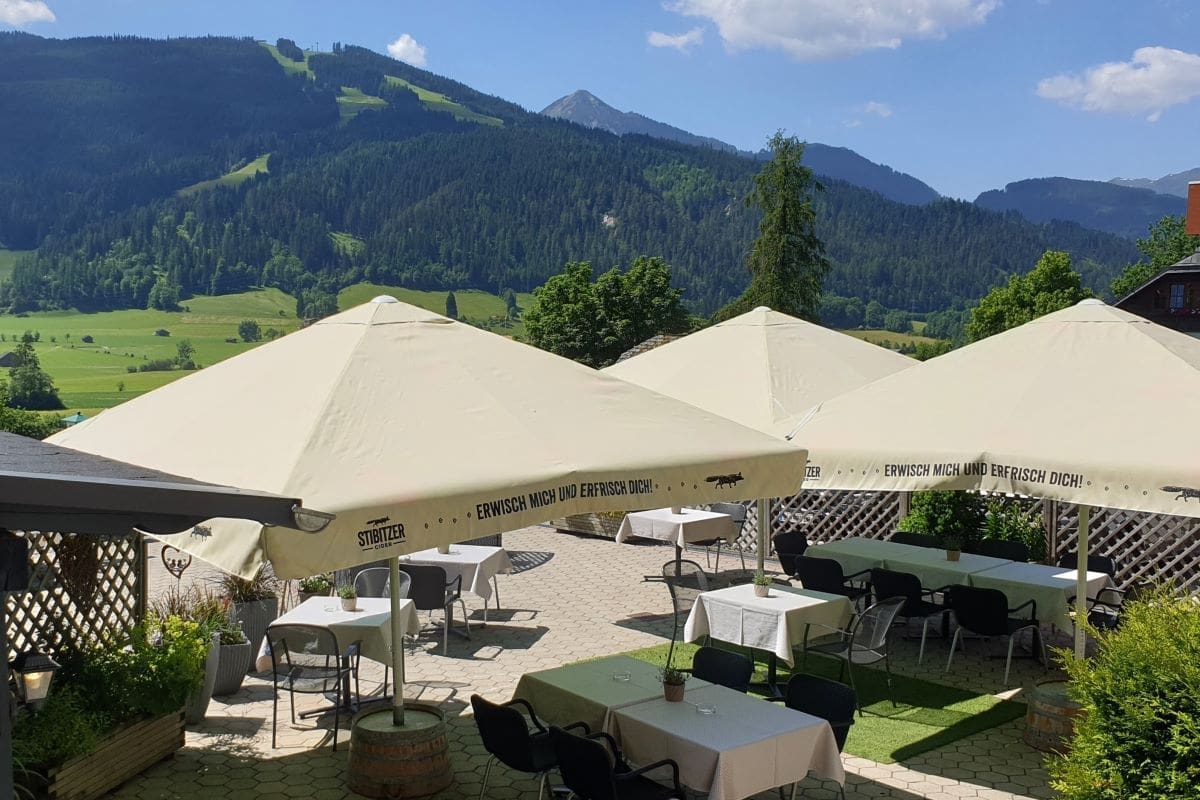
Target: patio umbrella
1088, 405
761, 369
417, 430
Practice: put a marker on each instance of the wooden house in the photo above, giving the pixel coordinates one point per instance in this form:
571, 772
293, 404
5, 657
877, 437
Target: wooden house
1172, 297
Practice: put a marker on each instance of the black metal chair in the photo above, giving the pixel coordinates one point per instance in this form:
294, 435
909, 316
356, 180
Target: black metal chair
787, 547
376, 582
985, 612
517, 743
1002, 548
685, 580
1095, 563
1104, 611
889, 583
825, 575
430, 591
916, 539
831, 701
725, 667
306, 659
737, 512
864, 642
593, 768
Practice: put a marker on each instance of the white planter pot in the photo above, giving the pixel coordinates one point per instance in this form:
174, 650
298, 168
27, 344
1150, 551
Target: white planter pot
762, 591
349, 603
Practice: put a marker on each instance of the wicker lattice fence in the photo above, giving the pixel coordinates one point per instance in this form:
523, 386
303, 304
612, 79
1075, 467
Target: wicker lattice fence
81, 589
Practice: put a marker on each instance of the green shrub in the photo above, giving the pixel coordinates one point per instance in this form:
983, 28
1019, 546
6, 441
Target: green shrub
1139, 738
1007, 520
957, 515
66, 726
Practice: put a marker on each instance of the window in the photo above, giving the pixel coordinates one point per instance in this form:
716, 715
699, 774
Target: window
1176, 296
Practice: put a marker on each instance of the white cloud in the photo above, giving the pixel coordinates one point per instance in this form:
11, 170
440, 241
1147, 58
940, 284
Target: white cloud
810, 30
22, 12
680, 41
406, 49
879, 109
1155, 79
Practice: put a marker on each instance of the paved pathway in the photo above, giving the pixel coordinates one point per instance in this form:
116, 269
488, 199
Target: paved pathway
572, 598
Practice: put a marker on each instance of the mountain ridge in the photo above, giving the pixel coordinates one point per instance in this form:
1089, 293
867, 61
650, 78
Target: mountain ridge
1176, 183
1121, 210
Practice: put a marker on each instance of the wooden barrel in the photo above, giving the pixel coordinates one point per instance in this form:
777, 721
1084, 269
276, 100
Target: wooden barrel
391, 762
1050, 719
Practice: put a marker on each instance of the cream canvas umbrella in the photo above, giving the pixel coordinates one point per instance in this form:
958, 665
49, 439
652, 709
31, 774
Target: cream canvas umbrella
416, 431
1089, 405
761, 369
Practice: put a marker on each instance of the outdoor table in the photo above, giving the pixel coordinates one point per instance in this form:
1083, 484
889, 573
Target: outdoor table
589, 692
477, 564
689, 525
1049, 586
858, 553
775, 624
929, 564
370, 625
746, 746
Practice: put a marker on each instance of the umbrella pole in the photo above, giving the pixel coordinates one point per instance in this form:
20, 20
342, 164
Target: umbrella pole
1081, 554
397, 644
764, 531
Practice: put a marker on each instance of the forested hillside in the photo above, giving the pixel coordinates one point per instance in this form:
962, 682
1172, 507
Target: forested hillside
1103, 206
447, 189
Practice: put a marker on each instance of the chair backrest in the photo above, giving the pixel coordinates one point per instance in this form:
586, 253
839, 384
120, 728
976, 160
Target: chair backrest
819, 574
586, 765
372, 582
505, 733
737, 511
1095, 563
427, 587
981, 611
871, 628
890, 583
685, 580
1002, 548
787, 547
821, 697
725, 667
917, 539
307, 646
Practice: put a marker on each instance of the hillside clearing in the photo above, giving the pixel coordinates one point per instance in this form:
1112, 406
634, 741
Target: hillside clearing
479, 308
440, 102
352, 102
234, 178
289, 66
897, 339
8, 260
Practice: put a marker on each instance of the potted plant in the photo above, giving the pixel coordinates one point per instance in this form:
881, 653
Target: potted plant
235, 658
255, 603
953, 545
317, 585
673, 681
762, 585
349, 598
204, 610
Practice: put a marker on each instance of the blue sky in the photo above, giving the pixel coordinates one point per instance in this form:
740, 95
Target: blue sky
966, 95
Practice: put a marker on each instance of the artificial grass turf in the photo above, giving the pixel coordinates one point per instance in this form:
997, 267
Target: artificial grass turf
926, 715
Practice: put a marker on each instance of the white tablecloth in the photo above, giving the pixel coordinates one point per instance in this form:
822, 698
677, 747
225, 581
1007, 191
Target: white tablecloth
477, 564
775, 623
588, 692
370, 624
747, 746
1049, 586
691, 525
929, 564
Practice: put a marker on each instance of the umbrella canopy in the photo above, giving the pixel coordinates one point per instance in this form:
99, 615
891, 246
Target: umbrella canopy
417, 430
1089, 405
761, 368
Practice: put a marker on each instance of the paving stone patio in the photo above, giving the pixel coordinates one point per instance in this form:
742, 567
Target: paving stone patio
571, 598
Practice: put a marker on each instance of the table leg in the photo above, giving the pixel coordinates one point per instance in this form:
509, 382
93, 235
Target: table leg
678, 558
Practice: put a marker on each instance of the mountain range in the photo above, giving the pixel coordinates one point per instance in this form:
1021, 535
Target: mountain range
1176, 183
1119, 209
135, 168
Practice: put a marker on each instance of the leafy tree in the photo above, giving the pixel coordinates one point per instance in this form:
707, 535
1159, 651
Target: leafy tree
955, 515
25, 423
874, 316
29, 386
185, 354
249, 331
1167, 243
315, 304
927, 350
897, 322
593, 323
164, 295
787, 262
451, 306
1049, 286
511, 309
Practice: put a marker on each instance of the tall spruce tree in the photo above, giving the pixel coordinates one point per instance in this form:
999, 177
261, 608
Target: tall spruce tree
787, 262
451, 306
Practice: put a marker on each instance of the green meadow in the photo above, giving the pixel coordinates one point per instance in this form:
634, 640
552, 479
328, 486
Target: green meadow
352, 102
289, 66
880, 336
436, 101
237, 176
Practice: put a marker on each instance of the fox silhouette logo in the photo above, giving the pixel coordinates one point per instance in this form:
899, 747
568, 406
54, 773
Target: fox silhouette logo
378, 521
732, 479
1184, 493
